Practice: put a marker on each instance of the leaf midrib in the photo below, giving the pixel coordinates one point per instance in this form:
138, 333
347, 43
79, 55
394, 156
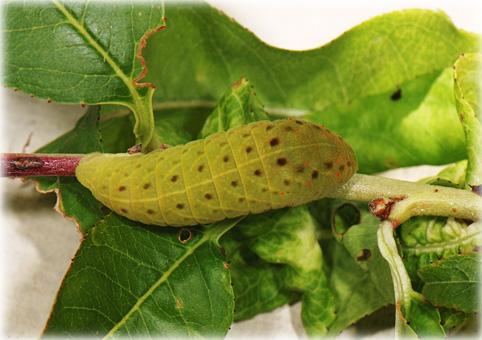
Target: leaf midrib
151, 290
83, 32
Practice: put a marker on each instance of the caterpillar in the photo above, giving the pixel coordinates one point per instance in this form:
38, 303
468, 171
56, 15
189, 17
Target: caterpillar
248, 169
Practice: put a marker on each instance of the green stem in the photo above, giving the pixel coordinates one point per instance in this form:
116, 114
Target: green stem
401, 281
414, 198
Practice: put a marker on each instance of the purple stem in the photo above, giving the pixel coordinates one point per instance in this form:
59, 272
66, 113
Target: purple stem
23, 164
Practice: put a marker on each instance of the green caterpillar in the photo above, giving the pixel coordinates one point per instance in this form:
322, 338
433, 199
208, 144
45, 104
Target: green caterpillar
248, 169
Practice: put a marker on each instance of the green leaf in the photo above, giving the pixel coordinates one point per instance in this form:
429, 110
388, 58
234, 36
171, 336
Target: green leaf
452, 176
116, 125
356, 295
420, 318
373, 61
239, 105
453, 282
130, 280
84, 53
287, 238
468, 91
453, 321
409, 131
258, 285
425, 239
361, 241
415, 317
75, 200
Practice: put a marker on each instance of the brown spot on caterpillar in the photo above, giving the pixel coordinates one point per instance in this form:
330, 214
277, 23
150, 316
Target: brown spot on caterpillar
223, 143
246, 135
180, 206
264, 190
257, 172
149, 211
200, 168
147, 186
281, 161
184, 235
225, 159
241, 199
123, 211
23, 163
328, 164
122, 188
249, 149
299, 122
269, 127
341, 167
208, 196
274, 141
174, 178
287, 128
286, 182
234, 183
314, 174
348, 164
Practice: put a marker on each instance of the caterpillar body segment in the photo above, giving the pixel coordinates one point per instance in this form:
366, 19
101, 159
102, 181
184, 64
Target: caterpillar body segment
248, 169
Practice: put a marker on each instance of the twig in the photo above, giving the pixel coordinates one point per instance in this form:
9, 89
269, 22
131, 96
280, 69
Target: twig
23, 165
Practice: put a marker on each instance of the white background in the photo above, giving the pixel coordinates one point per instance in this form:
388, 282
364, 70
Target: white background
37, 243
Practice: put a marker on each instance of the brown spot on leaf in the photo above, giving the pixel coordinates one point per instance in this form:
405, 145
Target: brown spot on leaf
364, 256
396, 95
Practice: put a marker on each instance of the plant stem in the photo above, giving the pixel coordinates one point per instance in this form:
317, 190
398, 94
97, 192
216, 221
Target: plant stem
23, 165
414, 198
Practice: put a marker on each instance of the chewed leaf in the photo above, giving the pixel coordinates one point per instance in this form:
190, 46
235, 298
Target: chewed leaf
129, 280
58, 33
74, 199
81, 59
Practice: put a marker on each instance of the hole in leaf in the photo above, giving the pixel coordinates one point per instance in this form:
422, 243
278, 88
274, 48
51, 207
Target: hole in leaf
184, 235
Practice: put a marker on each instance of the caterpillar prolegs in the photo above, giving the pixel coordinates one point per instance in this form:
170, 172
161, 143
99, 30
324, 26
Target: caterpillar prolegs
247, 169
